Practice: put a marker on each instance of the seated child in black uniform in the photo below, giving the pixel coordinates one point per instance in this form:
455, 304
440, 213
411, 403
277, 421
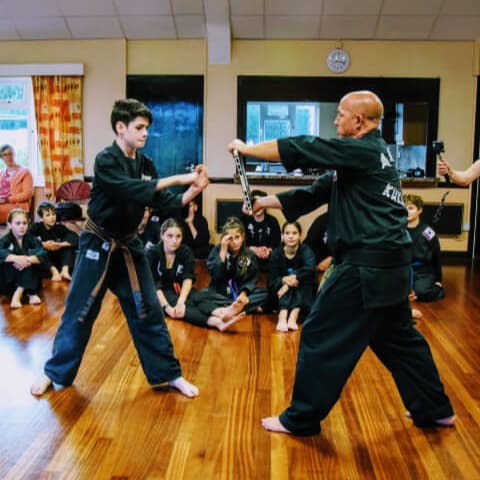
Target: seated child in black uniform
149, 228
262, 233
316, 239
21, 255
291, 279
172, 266
59, 241
234, 273
427, 268
196, 232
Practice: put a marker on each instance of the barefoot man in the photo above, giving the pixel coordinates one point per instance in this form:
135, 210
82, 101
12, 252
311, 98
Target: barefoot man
112, 256
364, 302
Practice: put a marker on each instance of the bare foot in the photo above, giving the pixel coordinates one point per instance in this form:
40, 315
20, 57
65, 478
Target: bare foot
65, 275
292, 319
15, 303
56, 277
222, 326
441, 422
446, 422
416, 314
185, 387
273, 424
34, 300
41, 385
282, 325
232, 310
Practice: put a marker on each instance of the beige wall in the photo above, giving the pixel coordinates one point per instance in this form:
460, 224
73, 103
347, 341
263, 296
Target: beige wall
453, 62
107, 62
104, 66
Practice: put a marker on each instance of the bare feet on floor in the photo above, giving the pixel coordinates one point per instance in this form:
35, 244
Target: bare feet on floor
15, 303
65, 275
272, 424
416, 314
222, 326
185, 387
232, 310
40, 386
56, 277
282, 325
34, 300
441, 422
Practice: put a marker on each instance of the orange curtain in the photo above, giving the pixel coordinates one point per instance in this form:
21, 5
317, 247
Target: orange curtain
58, 110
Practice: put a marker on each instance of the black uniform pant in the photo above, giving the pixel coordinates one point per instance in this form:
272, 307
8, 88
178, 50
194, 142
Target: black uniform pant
60, 258
424, 285
210, 299
149, 333
335, 334
192, 313
11, 278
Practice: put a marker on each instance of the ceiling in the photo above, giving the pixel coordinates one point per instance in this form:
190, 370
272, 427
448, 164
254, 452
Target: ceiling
222, 20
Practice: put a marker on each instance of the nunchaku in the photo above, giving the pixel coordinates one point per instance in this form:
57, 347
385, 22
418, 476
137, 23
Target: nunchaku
439, 210
247, 196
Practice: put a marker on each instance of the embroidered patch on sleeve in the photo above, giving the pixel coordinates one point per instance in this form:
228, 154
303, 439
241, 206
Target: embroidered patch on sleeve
429, 233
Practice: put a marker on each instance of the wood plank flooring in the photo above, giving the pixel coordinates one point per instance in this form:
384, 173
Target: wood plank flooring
111, 425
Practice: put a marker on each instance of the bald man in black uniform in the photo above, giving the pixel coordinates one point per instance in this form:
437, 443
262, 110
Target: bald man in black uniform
364, 302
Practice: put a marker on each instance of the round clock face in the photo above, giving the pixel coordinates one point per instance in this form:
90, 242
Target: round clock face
338, 60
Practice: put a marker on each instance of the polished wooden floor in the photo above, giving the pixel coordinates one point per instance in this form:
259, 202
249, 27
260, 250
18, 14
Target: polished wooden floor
111, 425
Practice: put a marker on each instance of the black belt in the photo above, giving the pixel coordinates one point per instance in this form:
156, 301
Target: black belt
114, 244
375, 258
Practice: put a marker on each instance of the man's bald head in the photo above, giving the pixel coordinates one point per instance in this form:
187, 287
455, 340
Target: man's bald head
364, 102
358, 113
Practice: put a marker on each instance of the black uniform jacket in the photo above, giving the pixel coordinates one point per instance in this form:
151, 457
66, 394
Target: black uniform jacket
304, 264
426, 250
231, 269
58, 233
30, 246
262, 234
121, 189
182, 268
366, 213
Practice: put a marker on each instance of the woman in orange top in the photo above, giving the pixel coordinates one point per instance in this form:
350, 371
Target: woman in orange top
16, 184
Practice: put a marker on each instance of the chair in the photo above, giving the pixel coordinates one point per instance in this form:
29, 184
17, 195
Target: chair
72, 198
73, 191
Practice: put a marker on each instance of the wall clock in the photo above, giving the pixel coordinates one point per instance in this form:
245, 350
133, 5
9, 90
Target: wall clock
338, 60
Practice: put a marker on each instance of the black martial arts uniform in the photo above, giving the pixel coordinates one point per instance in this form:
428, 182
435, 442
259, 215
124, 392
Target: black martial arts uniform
316, 237
170, 280
427, 267
231, 277
200, 245
364, 301
110, 254
58, 233
262, 234
303, 265
28, 278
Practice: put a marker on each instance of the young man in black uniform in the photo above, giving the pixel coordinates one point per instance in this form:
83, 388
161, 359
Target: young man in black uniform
364, 300
112, 256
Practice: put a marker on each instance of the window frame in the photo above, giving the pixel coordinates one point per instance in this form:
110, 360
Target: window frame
34, 161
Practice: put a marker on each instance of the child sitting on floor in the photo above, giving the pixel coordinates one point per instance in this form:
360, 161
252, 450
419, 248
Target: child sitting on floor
20, 257
291, 278
59, 241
